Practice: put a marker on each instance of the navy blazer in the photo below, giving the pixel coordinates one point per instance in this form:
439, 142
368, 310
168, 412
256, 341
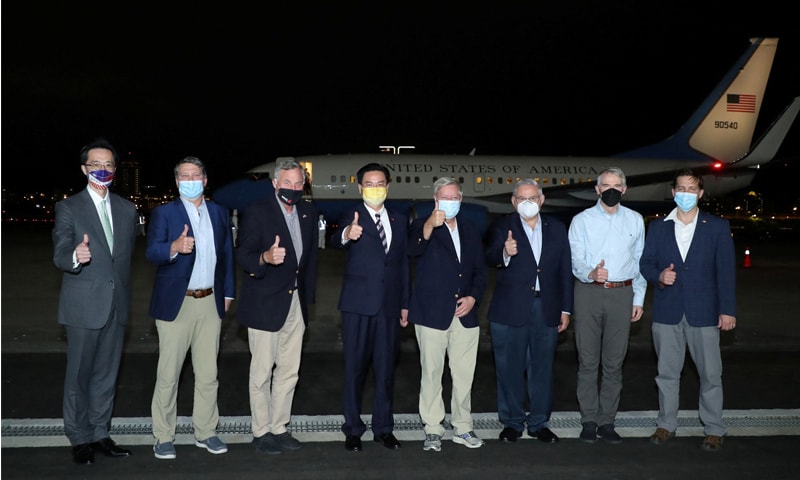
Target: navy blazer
172, 276
515, 284
374, 280
440, 279
705, 285
267, 289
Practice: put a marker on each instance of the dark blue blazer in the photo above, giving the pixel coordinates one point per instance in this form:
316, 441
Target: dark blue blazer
515, 284
172, 276
374, 279
267, 289
705, 285
440, 279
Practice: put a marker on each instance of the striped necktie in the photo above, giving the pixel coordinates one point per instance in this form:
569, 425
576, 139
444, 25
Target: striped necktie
381, 232
106, 223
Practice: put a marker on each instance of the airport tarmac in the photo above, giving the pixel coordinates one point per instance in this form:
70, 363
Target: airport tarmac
762, 379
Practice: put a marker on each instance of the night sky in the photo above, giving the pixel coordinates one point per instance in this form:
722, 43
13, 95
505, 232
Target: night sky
238, 84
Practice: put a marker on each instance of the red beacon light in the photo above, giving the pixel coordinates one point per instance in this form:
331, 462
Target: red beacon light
717, 165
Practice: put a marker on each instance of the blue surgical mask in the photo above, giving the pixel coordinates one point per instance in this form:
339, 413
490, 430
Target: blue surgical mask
450, 207
190, 189
685, 200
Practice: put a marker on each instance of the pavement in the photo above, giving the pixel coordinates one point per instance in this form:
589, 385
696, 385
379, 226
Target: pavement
761, 379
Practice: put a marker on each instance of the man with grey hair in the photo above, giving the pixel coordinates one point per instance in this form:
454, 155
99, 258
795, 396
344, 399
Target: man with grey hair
607, 240
531, 305
449, 283
278, 253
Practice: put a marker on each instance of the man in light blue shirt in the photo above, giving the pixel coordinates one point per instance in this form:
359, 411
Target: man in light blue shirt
606, 241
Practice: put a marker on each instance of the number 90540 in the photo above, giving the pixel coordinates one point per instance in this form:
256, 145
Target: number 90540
726, 124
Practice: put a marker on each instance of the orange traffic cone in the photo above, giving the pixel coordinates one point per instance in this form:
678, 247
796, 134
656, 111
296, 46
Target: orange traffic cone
747, 257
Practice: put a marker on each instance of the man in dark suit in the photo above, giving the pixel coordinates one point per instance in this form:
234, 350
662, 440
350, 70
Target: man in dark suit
531, 305
191, 242
689, 259
374, 304
278, 253
94, 237
449, 282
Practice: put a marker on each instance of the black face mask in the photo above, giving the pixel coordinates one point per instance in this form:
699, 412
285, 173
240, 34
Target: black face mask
289, 196
611, 197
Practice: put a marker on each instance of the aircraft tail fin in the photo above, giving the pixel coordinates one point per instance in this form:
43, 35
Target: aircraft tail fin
767, 146
722, 127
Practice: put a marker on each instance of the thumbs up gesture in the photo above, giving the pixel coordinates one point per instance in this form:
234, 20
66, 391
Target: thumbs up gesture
354, 230
600, 273
276, 254
437, 216
510, 245
184, 243
668, 275
82, 252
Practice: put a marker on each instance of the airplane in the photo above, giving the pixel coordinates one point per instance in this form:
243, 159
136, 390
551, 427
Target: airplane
715, 141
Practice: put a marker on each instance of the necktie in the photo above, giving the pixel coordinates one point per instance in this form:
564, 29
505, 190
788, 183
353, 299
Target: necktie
106, 223
381, 232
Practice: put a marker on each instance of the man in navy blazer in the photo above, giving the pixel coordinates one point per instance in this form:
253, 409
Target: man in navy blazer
449, 281
689, 259
95, 300
191, 243
278, 253
373, 303
531, 304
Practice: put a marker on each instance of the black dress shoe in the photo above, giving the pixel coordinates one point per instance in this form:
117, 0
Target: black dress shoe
82, 454
509, 435
352, 443
109, 448
544, 435
388, 440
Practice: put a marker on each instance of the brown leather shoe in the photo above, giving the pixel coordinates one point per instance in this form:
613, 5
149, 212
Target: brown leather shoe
712, 443
661, 436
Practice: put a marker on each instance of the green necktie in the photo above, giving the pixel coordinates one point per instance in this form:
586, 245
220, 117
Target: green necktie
106, 223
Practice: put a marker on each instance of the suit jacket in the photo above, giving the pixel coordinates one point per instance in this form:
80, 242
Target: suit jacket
515, 284
88, 292
267, 289
173, 275
374, 279
705, 285
440, 279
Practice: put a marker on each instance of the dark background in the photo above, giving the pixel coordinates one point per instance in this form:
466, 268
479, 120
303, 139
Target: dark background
240, 83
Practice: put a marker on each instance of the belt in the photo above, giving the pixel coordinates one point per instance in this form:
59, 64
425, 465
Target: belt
626, 283
204, 292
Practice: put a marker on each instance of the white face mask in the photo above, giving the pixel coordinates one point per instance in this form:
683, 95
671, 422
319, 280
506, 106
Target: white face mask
528, 209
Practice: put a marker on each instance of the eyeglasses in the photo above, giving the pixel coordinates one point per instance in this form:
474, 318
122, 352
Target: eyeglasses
98, 166
534, 198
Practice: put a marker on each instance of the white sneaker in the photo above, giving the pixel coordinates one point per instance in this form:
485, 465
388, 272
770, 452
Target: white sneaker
469, 440
432, 442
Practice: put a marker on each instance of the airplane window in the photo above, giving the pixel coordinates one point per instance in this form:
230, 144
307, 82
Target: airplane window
509, 180
416, 179
545, 181
563, 181
333, 178
571, 181
352, 179
480, 180
399, 179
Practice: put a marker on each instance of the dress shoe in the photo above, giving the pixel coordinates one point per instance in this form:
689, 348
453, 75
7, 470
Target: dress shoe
109, 448
82, 454
510, 435
544, 434
352, 443
388, 440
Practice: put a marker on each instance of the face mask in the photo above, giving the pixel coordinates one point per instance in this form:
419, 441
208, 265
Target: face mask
373, 196
289, 196
101, 178
450, 207
190, 189
685, 200
527, 209
611, 197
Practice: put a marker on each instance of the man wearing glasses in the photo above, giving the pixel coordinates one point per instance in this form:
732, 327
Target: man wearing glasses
531, 305
93, 236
